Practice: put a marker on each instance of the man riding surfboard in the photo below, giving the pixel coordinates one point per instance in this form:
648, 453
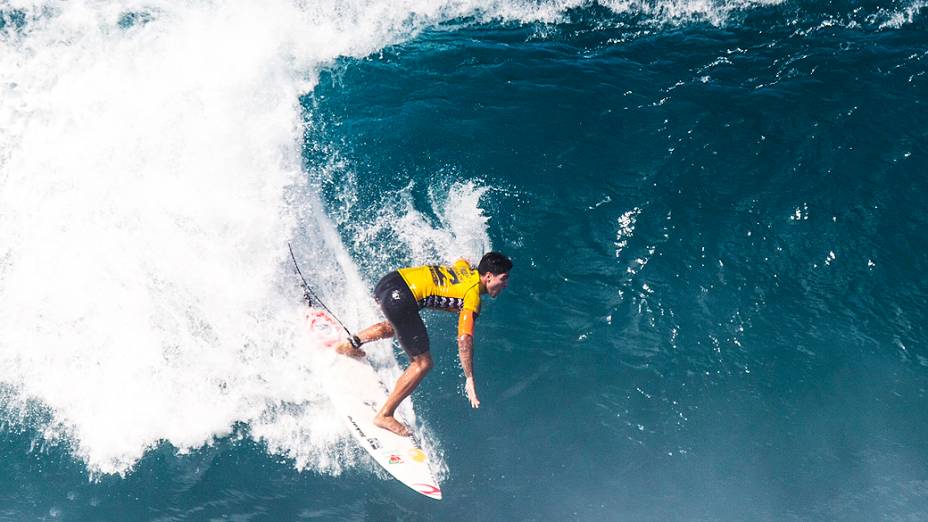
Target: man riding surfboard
402, 293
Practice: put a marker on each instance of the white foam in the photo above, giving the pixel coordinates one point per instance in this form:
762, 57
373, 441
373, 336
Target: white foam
454, 226
150, 176
146, 180
801, 213
899, 17
675, 12
626, 228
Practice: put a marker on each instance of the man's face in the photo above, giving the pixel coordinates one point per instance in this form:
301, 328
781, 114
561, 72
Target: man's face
496, 283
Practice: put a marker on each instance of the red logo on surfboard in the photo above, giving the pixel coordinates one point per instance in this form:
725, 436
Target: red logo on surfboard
428, 490
395, 459
323, 326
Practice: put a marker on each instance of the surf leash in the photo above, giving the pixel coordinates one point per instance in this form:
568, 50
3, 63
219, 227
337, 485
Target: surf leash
312, 298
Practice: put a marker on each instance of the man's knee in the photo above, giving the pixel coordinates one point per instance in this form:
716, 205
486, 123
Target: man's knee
423, 362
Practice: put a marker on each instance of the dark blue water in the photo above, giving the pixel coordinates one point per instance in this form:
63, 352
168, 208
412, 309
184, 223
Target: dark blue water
718, 306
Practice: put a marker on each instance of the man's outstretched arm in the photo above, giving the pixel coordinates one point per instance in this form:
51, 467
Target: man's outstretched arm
466, 353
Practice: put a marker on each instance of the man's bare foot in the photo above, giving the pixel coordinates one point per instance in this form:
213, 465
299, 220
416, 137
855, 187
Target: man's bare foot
391, 424
345, 348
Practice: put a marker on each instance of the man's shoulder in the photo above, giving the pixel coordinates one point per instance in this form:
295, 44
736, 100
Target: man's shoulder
464, 266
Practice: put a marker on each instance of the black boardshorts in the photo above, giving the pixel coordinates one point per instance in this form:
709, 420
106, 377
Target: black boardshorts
399, 306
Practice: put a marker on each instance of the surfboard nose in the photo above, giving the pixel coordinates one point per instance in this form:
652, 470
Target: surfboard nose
429, 490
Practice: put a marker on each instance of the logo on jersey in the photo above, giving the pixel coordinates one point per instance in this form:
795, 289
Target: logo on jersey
441, 274
395, 295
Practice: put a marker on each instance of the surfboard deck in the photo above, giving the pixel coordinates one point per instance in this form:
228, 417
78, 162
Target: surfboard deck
358, 394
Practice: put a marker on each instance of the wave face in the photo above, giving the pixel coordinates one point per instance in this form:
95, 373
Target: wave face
718, 306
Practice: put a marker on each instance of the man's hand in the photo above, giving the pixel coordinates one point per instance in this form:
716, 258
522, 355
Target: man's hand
471, 392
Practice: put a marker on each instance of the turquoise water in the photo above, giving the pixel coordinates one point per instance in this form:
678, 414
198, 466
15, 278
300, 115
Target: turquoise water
715, 211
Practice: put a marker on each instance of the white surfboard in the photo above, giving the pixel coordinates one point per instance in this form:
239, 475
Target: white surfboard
358, 394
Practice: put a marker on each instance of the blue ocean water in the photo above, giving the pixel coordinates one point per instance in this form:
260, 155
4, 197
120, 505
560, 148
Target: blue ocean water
715, 211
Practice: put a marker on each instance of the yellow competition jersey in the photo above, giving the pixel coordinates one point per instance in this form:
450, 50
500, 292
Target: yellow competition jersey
452, 288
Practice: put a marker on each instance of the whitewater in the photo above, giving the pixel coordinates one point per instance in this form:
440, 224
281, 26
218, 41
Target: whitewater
152, 176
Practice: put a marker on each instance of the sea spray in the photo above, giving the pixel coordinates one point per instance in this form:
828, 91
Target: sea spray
151, 177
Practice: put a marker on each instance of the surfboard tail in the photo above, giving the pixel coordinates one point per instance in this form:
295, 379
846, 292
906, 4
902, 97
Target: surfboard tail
357, 392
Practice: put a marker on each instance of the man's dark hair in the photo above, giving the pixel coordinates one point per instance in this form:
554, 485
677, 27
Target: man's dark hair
495, 263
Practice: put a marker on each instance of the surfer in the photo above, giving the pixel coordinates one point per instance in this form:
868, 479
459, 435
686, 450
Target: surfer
402, 293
